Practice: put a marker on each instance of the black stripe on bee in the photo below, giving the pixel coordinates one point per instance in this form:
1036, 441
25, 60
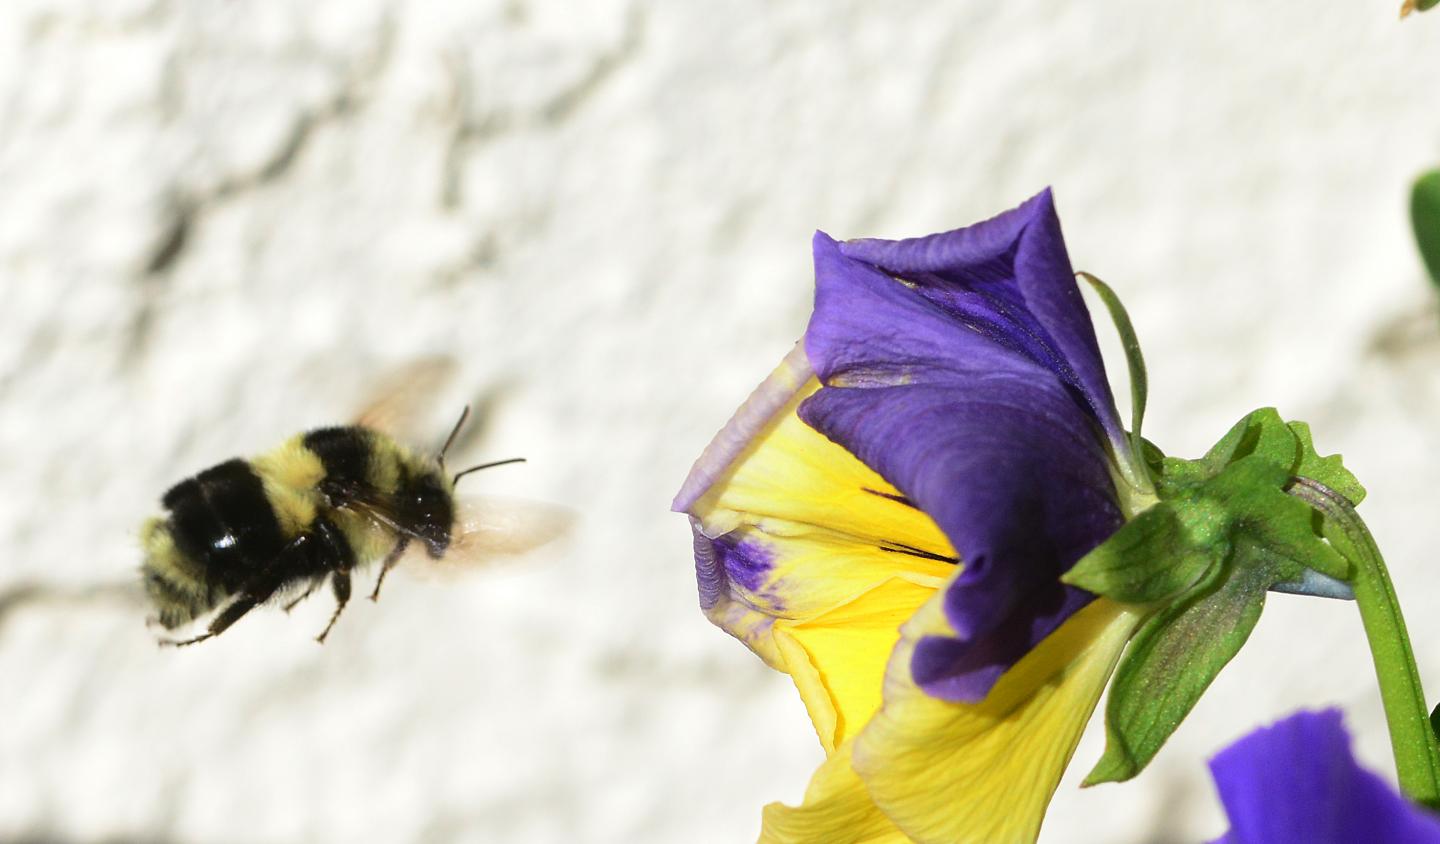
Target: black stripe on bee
344, 451
223, 519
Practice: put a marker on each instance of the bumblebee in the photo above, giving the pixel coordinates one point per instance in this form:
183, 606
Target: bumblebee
320, 506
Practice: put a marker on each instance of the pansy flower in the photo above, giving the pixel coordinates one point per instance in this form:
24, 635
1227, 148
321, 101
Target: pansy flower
888, 516
1297, 782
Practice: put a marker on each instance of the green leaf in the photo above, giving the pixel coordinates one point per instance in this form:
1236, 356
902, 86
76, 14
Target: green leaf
1425, 215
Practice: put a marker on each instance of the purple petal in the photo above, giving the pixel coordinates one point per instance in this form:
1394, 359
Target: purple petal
1010, 278
944, 394
1012, 473
870, 330
723, 560
710, 576
1297, 781
956, 669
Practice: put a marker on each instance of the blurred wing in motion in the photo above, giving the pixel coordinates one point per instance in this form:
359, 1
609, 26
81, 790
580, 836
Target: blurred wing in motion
401, 402
491, 529
487, 527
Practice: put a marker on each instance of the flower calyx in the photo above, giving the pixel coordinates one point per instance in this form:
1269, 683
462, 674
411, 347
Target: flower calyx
1224, 531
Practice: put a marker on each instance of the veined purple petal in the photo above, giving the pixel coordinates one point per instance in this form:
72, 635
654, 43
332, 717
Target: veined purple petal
956, 669
870, 330
1010, 278
1297, 782
710, 575
955, 393
962, 368
1012, 473
723, 560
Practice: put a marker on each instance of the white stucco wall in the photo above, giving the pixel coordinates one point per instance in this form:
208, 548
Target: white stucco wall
220, 220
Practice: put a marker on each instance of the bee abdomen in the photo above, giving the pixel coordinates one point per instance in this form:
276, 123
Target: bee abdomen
175, 584
222, 520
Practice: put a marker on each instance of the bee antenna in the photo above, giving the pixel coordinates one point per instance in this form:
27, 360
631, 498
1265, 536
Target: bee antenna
454, 432
463, 473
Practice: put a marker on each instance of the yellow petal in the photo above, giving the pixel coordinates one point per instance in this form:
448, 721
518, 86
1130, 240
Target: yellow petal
985, 772
830, 527
789, 473
838, 658
837, 810
809, 572
834, 557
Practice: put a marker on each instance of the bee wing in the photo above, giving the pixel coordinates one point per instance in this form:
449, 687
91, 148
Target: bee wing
400, 404
379, 509
490, 529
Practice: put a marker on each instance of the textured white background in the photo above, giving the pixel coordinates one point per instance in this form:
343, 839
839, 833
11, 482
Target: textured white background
220, 220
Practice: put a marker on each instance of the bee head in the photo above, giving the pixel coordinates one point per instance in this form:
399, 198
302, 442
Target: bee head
433, 495
429, 503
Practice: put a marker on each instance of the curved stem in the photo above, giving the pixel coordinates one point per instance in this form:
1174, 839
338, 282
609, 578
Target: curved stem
1417, 753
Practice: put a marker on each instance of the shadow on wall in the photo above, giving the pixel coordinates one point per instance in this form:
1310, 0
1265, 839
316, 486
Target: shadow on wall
119, 593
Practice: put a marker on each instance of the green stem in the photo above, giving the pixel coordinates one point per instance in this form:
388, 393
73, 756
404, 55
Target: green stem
1417, 753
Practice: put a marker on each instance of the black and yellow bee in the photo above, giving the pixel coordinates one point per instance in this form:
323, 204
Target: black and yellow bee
322, 505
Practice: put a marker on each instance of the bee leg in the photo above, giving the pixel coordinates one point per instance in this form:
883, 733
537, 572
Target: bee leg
255, 593
340, 582
252, 593
339, 558
390, 560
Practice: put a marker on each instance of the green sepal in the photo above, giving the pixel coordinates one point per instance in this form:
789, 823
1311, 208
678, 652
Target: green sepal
1169, 664
1263, 433
1170, 547
1276, 530
1201, 560
1327, 470
1135, 362
1425, 217
1241, 480
1182, 648
1127, 568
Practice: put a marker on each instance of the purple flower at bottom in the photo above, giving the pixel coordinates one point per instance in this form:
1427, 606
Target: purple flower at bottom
1297, 782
